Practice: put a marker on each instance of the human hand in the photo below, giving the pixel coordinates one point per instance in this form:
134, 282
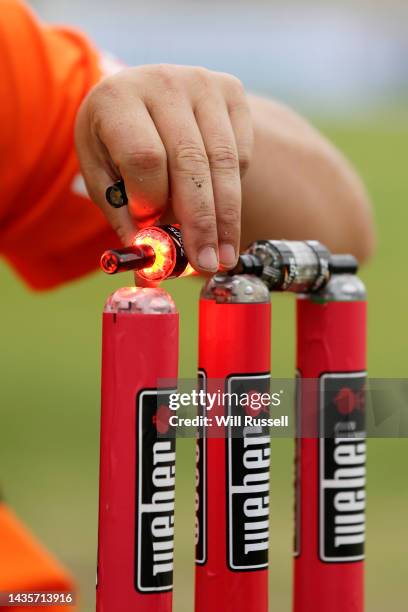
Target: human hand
181, 139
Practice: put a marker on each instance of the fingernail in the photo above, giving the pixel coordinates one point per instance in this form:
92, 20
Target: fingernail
207, 259
228, 256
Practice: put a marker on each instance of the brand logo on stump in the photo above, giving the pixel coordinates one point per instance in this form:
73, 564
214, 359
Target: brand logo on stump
155, 492
342, 458
247, 459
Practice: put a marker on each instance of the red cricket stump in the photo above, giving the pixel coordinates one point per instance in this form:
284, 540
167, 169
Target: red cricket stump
232, 496
331, 473
137, 467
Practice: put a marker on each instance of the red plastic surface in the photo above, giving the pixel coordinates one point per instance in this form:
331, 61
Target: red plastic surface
138, 349
234, 339
331, 338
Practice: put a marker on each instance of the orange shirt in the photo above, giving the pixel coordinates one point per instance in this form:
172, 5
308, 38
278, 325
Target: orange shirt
49, 231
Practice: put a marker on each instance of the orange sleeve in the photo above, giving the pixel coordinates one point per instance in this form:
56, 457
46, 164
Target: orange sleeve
49, 232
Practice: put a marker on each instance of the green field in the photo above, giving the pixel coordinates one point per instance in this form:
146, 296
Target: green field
49, 397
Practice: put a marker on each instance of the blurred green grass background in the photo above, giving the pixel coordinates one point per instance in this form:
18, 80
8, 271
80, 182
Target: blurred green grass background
50, 377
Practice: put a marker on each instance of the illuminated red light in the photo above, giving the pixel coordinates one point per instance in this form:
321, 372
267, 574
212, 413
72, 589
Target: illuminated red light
157, 253
164, 250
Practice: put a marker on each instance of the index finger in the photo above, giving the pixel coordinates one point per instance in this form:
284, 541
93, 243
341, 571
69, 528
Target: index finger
138, 153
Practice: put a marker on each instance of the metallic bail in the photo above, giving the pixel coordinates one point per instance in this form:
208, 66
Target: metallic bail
340, 288
238, 289
151, 300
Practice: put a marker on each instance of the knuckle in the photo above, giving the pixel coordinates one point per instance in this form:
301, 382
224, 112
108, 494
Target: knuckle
223, 157
229, 216
202, 74
164, 73
203, 222
100, 101
146, 159
107, 88
234, 84
190, 157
